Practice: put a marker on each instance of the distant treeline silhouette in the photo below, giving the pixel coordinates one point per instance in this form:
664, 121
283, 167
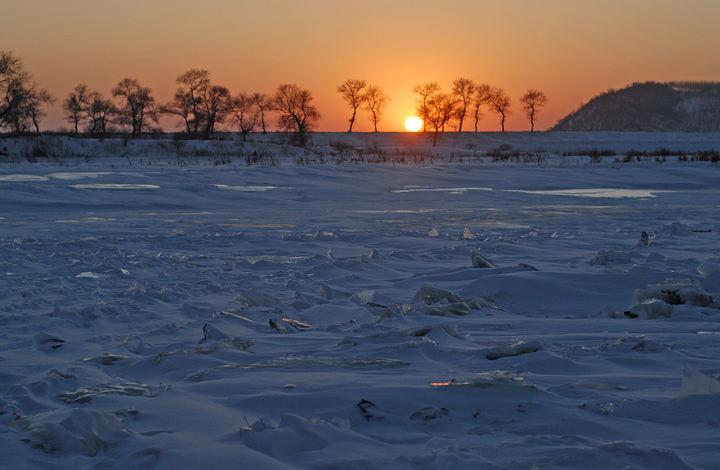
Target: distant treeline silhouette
437, 109
202, 106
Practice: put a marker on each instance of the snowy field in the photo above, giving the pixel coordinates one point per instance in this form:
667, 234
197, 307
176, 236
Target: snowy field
180, 313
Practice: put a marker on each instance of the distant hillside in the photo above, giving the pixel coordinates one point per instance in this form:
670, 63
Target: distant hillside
650, 106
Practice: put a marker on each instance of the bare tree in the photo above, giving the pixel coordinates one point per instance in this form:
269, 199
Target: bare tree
11, 71
24, 101
215, 103
37, 98
297, 113
182, 106
99, 113
463, 91
137, 105
351, 91
425, 90
75, 105
499, 103
245, 113
482, 92
376, 100
263, 103
441, 108
21, 98
531, 101
186, 102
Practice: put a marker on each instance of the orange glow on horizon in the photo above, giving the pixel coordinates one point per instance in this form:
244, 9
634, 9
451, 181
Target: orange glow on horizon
570, 50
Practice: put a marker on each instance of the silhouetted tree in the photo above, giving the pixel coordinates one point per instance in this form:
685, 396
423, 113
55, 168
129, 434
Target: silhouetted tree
463, 91
186, 102
351, 91
531, 101
425, 90
21, 98
37, 99
75, 105
99, 112
376, 100
24, 105
499, 103
182, 106
215, 103
296, 111
441, 108
482, 92
245, 113
263, 103
11, 70
137, 105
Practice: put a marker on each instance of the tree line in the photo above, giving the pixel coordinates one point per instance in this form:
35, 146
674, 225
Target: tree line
201, 106
438, 110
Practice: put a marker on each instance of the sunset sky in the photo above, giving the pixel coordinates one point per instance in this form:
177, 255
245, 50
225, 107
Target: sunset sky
570, 49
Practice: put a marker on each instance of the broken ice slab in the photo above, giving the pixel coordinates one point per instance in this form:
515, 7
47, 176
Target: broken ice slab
514, 349
695, 383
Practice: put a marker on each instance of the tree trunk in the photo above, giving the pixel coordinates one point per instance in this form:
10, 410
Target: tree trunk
352, 119
532, 121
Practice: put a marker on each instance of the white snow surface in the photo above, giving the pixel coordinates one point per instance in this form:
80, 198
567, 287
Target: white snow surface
175, 313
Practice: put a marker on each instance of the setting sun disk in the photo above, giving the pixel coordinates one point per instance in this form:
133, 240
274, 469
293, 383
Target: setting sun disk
413, 124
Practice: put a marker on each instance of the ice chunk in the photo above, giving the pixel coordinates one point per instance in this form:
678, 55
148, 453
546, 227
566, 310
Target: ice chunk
78, 431
47, 343
479, 261
331, 294
676, 292
89, 275
248, 298
364, 297
676, 228
695, 383
708, 270
515, 349
604, 257
654, 258
429, 295
134, 344
650, 309
210, 333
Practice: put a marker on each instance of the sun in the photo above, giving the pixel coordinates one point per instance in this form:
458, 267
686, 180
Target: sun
413, 124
